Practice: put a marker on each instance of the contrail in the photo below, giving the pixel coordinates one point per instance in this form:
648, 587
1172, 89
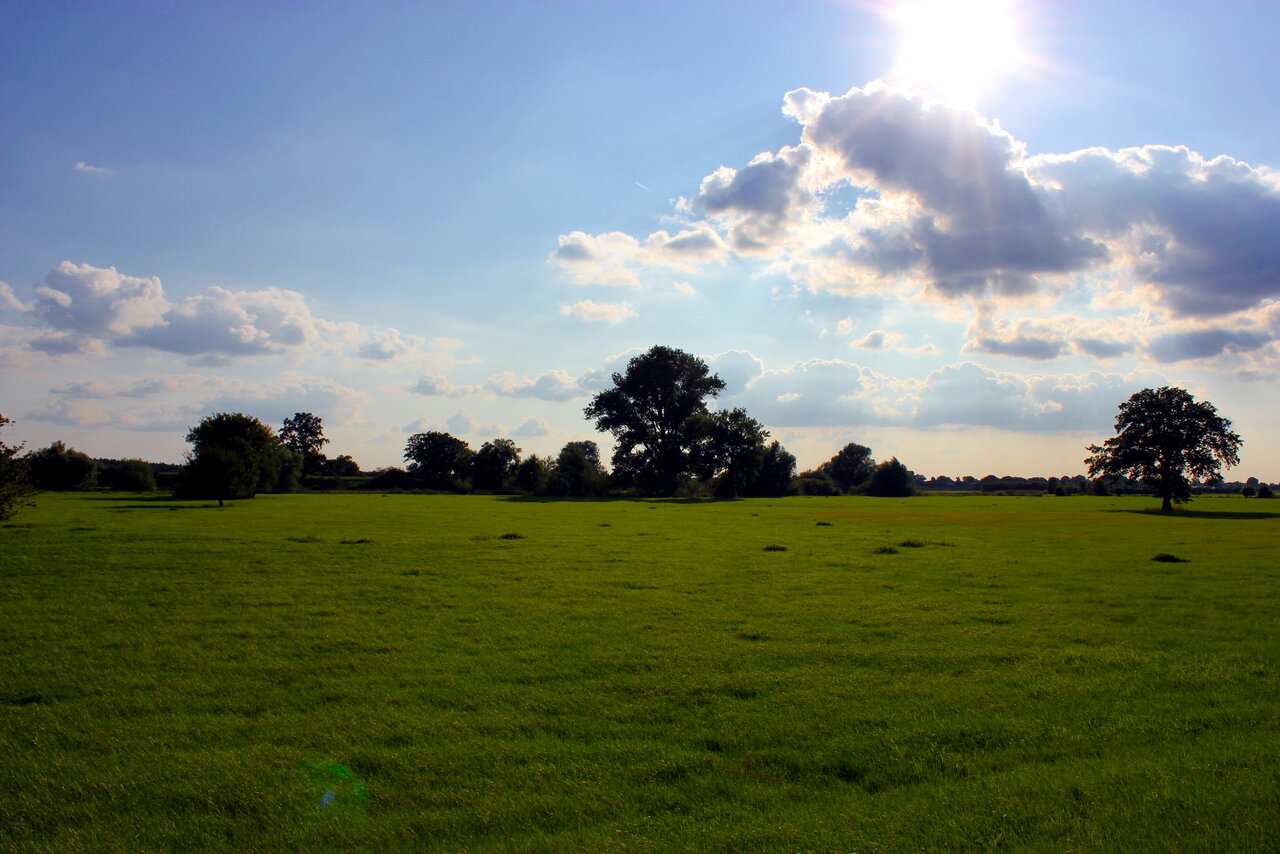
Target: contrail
642, 186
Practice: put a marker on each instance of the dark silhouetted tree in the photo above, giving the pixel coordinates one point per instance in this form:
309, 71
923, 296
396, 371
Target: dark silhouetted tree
438, 460
494, 466
60, 468
129, 476
234, 455
734, 451
578, 471
341, 466
16, 488
777, 469
851, 467
532, 473
1264, 491
891, 480
1248, 491
1164, 437
304, 434
655, 411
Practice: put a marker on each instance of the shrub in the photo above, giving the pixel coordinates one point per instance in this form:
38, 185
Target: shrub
892, 480
129, 476
1264, 491
59, 468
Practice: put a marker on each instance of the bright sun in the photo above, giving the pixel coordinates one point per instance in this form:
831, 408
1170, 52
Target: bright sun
955, 49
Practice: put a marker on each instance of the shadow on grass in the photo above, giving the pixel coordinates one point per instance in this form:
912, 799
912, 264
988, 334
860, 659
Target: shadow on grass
1200, 514
156, 502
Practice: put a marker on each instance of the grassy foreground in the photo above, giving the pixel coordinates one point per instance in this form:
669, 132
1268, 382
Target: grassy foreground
463, 673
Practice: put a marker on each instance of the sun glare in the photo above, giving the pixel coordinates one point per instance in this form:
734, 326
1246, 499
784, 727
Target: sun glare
955, 50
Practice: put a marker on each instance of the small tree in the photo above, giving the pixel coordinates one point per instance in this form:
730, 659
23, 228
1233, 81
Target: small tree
735, 449
577, 471
532, 473
851, 467
1264, 491
59, 468
891, 480
438, 460
234, 455
494, 465
1248, 491
15, 478
304, 433
776, 472
1164, 437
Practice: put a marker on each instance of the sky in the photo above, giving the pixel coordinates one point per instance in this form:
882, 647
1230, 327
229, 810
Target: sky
961, 238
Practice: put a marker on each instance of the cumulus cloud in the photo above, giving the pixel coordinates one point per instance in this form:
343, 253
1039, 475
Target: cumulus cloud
885, 191
532, 428
550, 385
597, 312
436, 385
9, 301
877, 340
616, 259
463, 423
382, 345
85, 307
81, 166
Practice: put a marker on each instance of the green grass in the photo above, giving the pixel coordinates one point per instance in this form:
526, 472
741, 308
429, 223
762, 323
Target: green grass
329, 672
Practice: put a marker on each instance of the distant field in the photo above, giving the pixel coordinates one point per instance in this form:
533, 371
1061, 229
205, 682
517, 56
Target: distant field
465, 673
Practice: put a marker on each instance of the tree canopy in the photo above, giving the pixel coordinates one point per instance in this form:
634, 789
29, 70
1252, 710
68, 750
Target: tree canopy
494, 466
656, 412
1164, 437
437, 460
234, 455
851, 467
59, 468
304, 434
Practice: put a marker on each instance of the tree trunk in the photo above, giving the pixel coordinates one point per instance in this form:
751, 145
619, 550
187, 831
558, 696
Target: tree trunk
1167, 504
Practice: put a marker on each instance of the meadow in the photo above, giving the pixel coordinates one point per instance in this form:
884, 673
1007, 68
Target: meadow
495, 674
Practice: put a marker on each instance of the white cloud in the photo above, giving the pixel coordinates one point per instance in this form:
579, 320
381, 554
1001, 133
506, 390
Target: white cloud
81, 166
387, 344
549, 385
9, 301
877, 340
596, 312
532, 428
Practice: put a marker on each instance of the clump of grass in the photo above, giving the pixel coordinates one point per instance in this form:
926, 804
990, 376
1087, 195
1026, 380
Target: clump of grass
775, 548
359, 542
885, 550
912, 544
511, 536
1165, 557
823, 524
303, 540
604, 524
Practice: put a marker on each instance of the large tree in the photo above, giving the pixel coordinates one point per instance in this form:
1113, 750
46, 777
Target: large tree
656, 412
437, 459
1164, 437
59, 468
15, 478
577, 471
304, 433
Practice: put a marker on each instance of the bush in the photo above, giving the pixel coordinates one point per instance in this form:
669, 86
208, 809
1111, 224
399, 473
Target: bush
15, 479
814, 484
1264, 491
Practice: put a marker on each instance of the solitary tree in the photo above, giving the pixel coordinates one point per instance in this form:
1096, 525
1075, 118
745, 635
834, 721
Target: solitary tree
437, 459
304, 433
15, 478
1164, 437
655, 412
234, 455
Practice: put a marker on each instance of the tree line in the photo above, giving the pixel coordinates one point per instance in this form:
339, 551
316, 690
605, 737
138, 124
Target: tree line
667, 441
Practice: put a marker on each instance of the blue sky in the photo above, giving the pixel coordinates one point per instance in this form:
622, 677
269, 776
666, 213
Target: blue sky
463, 216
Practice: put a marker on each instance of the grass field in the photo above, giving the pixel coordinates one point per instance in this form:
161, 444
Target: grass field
466, 673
